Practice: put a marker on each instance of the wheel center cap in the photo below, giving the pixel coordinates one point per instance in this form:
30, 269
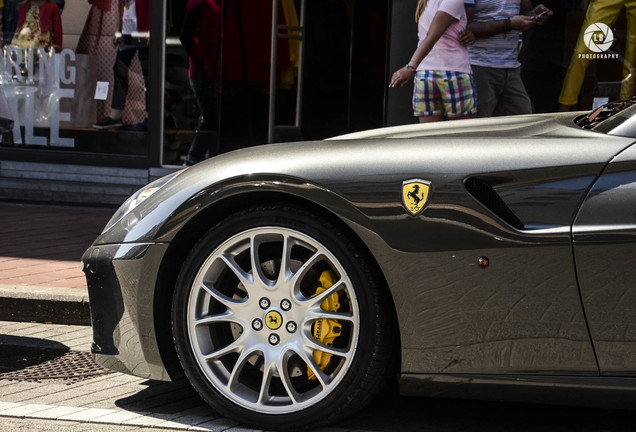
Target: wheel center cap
273, 320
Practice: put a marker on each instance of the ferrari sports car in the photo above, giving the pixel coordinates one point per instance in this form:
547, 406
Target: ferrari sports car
482, 258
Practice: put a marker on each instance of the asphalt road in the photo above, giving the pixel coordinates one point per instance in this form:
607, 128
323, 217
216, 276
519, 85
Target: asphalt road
92, 396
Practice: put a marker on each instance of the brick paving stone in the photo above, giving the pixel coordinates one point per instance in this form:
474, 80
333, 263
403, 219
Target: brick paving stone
78, 344
34, 395
31, 329
4, 405
52, 269
55, 412
12, 263
77, 338
87, 415
61, 397
18, 272
7, 259
40, 333
117, 417
199, 411
11, 327
218, 425
162, 402
42, 245
14, 391
45, 279
149, 420
184, 422
25, 409
107, 393
113, 395
78, 282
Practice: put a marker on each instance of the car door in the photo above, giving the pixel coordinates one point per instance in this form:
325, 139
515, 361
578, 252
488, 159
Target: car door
604, 236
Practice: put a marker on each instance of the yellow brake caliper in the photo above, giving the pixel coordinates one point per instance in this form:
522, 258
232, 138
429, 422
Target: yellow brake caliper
325, 330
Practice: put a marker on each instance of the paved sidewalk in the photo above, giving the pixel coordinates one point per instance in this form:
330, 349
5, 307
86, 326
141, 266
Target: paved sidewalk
101, 398
41, 280
98, 396
41, 276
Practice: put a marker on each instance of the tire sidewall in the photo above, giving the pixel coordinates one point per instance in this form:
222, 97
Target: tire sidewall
335, 404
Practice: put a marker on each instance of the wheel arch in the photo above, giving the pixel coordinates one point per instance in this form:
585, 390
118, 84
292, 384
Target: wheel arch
200, 223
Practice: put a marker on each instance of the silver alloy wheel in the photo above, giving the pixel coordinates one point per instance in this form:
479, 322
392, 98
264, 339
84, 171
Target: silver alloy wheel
262, 330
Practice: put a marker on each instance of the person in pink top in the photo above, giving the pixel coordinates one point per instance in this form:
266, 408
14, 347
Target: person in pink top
440, 66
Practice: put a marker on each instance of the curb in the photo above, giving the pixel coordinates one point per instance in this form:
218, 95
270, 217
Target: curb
44, 304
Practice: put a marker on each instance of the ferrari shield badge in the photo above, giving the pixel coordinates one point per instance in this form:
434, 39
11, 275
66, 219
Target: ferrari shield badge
415, 195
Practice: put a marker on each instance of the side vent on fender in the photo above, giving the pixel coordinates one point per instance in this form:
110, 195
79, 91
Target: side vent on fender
485, 194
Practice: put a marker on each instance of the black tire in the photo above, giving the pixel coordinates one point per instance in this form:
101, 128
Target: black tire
263, 375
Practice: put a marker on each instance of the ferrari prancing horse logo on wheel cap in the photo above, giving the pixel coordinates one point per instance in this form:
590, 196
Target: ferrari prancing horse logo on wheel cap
415, 194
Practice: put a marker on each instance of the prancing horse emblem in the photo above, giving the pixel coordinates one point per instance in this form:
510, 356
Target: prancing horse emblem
415, 195
273, 320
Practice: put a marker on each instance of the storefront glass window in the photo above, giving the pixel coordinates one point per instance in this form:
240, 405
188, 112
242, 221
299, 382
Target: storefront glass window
75, 74
193, 81
339, 87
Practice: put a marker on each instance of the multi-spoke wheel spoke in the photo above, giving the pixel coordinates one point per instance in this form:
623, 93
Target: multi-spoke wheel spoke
266, 331
245, 278
235, 347
317, 300
226, 301
227, 316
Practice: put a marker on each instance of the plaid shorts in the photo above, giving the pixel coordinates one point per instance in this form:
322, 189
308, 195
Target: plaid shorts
451, 94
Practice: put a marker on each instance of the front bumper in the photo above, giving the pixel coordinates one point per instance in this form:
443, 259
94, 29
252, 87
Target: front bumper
121, 285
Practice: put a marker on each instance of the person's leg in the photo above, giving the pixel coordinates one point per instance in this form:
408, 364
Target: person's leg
120, 76
197, 150
458, 96
488, 86
144, 55
629, 66
205, 143
427, 105
514, 99
210, 98
120, 89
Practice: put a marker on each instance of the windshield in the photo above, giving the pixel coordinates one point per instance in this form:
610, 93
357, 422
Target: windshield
614, 118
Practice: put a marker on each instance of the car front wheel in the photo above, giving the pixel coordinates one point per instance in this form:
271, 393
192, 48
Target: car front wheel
278, 320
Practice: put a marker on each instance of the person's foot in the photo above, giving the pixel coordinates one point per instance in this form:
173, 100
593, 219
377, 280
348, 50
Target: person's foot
108, 123
139, 127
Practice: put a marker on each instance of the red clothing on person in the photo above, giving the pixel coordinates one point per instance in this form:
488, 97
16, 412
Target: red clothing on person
103, 5
50, 20
247, 42
200, 37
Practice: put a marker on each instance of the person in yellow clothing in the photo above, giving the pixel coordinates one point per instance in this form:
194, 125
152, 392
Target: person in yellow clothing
604, 12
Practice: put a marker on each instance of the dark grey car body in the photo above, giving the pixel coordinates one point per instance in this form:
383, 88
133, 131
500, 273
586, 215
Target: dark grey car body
550, 205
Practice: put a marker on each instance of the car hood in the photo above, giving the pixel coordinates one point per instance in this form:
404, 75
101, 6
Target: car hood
446, 153
557, 125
